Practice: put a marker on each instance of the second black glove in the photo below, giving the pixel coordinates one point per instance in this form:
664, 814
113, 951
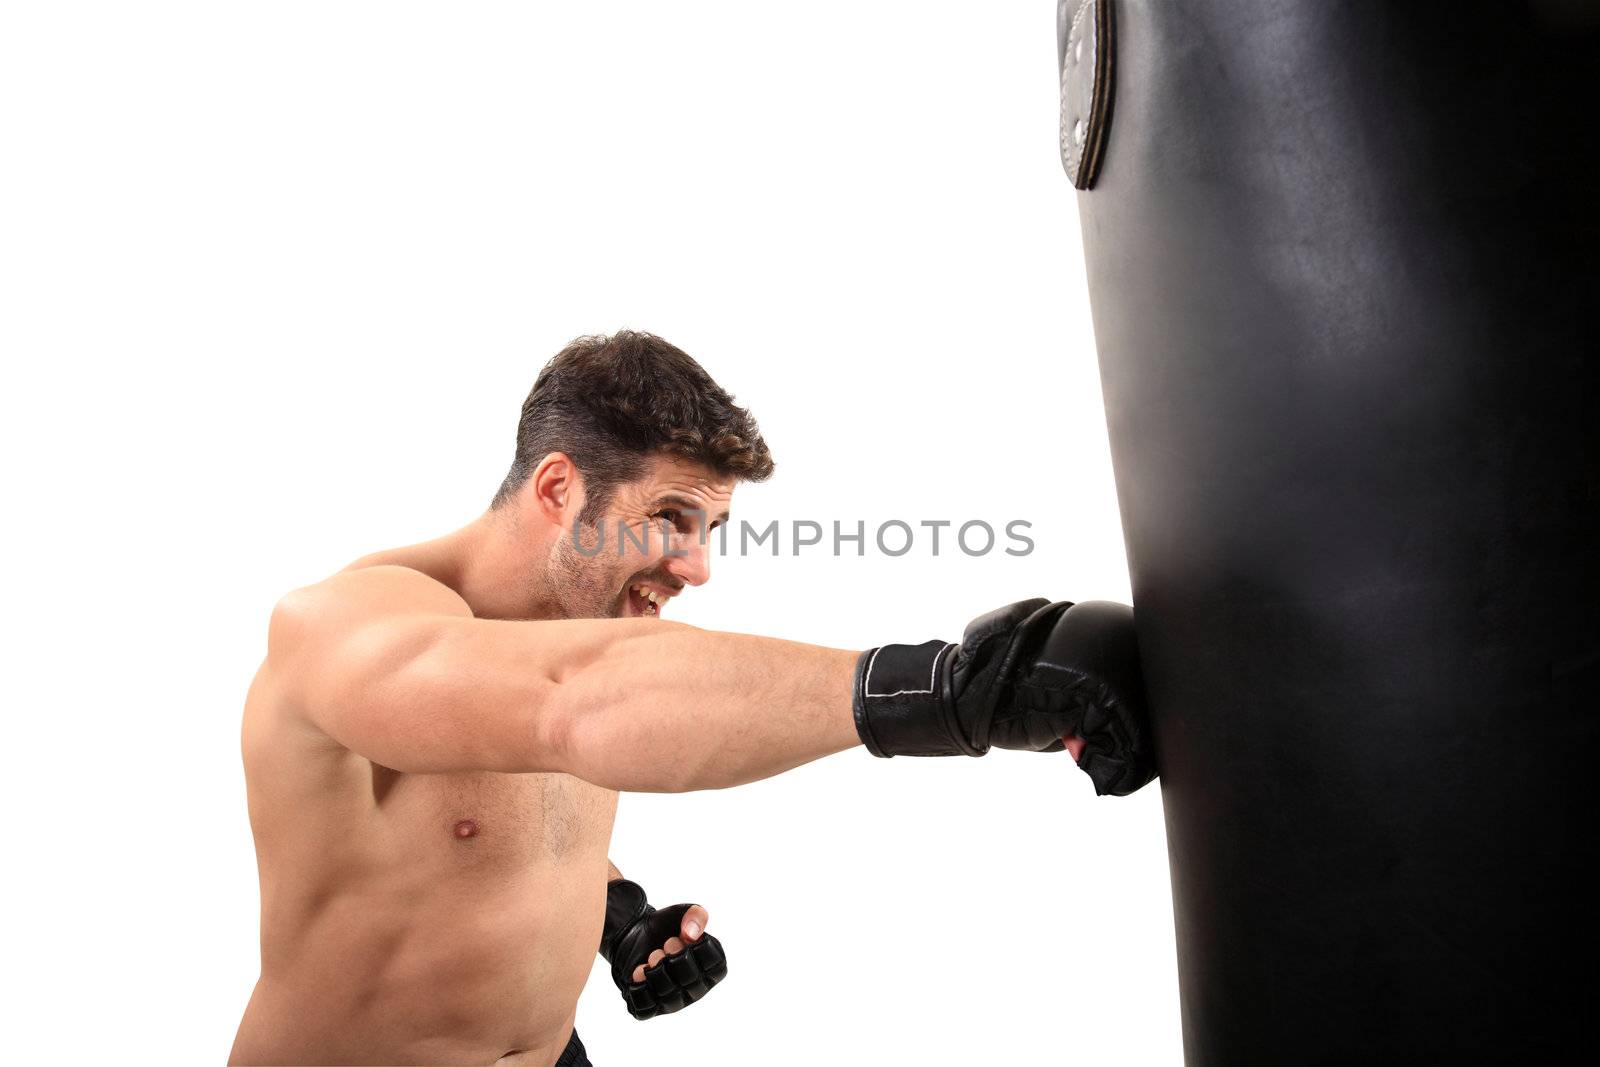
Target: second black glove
633, 930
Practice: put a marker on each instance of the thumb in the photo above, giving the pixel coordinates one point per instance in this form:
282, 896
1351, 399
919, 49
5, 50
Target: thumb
694, 923
1074, 745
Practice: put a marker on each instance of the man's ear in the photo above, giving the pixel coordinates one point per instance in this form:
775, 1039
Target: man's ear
556, 489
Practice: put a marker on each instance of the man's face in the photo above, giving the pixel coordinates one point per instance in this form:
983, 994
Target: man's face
653, 540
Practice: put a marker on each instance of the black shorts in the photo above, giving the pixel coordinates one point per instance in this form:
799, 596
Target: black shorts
574, 1055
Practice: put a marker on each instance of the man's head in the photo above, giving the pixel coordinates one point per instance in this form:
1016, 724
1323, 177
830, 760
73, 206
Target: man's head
627, 453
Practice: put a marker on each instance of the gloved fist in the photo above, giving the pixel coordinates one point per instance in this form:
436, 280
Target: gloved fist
1031, 675
658, 959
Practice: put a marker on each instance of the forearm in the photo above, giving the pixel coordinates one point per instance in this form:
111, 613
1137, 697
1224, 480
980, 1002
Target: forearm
665, 707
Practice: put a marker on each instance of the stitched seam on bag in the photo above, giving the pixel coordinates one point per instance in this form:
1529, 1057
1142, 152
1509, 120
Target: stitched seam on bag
1069, 149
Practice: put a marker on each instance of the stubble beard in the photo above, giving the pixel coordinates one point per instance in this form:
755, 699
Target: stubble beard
580, 586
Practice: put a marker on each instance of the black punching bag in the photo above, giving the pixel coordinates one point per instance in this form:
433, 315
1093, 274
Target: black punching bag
1342, 265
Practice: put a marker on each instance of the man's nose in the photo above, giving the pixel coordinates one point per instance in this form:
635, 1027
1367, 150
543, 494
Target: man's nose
690, 560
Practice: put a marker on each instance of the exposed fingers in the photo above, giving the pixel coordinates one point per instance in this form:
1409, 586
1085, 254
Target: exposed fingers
694, 923
1074, 745
692, 928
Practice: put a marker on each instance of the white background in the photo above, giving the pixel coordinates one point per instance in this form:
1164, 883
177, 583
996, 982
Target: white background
276, 279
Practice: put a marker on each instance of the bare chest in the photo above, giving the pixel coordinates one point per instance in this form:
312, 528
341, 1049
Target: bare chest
510, 821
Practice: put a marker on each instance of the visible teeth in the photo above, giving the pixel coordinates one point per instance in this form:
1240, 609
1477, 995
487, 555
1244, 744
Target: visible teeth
651, 598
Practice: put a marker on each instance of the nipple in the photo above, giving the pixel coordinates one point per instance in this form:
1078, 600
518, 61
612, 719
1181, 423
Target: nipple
466, 828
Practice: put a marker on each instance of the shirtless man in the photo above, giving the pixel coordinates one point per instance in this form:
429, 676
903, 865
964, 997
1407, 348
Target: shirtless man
435, 741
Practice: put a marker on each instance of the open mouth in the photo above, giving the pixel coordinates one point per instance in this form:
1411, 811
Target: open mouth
646, 602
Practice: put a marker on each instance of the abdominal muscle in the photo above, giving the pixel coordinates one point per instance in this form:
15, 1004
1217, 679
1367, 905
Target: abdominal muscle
420, 918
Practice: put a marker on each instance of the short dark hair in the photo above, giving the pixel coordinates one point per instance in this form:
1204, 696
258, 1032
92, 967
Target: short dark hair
611, 402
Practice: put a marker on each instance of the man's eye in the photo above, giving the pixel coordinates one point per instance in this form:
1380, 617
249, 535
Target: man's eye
672, 515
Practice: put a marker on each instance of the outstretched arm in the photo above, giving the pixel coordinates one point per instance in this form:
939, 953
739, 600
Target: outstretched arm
392, 665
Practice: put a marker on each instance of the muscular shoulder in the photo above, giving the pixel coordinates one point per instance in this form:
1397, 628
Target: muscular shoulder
316, 628
351, 599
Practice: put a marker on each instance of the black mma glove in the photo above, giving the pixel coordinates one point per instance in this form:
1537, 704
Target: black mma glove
634, 930
1022, 677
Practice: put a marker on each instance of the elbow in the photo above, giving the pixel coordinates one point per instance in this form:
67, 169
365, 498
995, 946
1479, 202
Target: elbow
590, 720
583, 733
611, 750
554, 732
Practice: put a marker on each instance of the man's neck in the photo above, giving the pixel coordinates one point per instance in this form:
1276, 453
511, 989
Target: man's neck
488, 565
